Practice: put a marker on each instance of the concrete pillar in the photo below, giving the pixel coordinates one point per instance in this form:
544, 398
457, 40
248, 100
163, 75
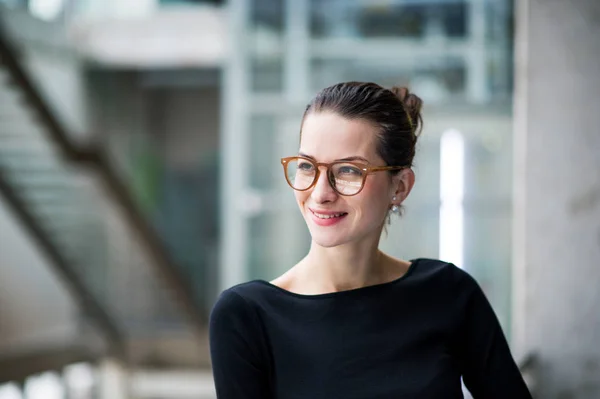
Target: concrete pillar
557, 194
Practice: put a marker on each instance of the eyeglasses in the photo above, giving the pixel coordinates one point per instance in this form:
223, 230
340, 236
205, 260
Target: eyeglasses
346, 178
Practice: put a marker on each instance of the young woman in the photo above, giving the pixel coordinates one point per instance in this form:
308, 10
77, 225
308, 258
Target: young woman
349, 321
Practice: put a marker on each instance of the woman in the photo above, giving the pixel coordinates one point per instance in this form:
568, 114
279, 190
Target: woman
349, 321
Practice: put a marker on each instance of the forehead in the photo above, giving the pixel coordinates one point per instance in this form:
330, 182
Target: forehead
328, 136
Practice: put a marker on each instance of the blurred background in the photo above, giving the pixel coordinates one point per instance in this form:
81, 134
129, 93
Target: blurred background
140, 176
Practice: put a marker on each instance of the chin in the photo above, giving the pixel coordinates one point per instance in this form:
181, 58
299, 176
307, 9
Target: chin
327, 243
328, 240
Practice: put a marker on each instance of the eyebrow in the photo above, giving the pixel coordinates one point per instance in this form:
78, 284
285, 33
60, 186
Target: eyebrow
348, 159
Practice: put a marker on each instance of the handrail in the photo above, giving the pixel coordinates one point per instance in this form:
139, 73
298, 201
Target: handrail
96, 159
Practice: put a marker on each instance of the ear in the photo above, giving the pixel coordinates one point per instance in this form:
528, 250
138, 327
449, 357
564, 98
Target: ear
402, 184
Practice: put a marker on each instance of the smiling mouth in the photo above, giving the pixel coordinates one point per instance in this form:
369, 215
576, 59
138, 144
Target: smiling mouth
328, 216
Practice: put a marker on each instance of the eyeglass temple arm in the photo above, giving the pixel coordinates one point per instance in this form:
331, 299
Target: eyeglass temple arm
380, 168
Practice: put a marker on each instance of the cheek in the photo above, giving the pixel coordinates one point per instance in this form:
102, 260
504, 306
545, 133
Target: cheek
373, 201
301, 197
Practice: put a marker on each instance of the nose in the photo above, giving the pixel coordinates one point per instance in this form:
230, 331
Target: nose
322, 192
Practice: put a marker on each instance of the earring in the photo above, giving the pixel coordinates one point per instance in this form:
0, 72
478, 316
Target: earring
394, 207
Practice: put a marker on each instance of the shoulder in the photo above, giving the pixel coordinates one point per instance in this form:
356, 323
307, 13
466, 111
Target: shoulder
235, 331
436, 268
239, 299
443, 275
236, 308
444, 282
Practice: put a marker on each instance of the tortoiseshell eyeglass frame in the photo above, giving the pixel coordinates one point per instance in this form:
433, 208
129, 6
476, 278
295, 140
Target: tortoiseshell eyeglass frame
366, 168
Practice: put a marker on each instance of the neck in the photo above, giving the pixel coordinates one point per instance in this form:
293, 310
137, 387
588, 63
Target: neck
346, 267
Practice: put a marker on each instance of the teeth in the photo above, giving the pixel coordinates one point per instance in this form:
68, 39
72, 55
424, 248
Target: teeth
328, 216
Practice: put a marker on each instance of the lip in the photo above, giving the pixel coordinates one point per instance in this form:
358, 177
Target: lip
326, 222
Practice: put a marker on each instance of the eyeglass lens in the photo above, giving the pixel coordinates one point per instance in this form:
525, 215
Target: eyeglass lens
345, 178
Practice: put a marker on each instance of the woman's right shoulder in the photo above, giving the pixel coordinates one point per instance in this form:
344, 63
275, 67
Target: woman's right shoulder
235, 306
240, 298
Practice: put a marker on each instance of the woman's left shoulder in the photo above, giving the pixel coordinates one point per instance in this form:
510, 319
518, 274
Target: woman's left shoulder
442, 271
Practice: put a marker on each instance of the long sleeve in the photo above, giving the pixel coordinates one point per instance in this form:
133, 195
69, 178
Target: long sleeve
237, 350
489, 370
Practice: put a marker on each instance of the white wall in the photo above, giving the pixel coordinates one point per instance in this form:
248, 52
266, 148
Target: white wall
169, 37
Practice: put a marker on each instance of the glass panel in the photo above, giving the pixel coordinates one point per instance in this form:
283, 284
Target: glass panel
489, 176
264, 170
267, 74
164, 139
266, 44
488, 252
421, 209
267, 15
499, 36
436, 80
355, 18
452, 47
488, 187
192, 2
278, 237
177, 171
14, 3
277, 242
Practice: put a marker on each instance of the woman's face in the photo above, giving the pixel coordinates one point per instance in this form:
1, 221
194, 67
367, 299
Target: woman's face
334, 219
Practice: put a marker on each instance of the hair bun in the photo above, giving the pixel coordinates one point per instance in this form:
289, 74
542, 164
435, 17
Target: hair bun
412, 104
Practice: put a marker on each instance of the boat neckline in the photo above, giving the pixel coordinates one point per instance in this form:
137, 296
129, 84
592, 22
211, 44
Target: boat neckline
353, 291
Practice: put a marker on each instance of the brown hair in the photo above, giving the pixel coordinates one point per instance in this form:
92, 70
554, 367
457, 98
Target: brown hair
396, 112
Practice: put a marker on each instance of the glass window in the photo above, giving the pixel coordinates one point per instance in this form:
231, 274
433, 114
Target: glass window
267, 14
278, 240
335, 18
435, 80
264, 170
14, 3
193, 2
266, 74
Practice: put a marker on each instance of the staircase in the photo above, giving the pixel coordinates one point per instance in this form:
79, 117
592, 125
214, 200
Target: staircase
77, 209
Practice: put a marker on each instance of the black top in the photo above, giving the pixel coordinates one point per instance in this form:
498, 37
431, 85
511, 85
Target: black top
413, 337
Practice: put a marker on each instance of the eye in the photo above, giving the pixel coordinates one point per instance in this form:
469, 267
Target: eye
305, 166
349, 170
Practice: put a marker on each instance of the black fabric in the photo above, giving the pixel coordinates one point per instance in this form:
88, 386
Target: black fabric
410, 338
